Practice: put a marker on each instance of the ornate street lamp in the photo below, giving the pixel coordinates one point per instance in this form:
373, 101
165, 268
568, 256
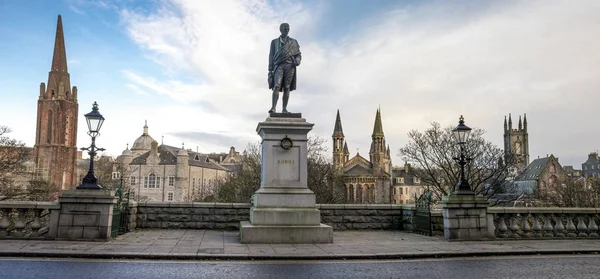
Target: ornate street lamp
94, 121
461, 134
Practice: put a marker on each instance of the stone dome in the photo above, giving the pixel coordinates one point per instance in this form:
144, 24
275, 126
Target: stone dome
143, 143
126, 152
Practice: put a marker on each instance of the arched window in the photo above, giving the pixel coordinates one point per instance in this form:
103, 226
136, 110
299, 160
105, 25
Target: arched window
359, 193
49, 127
351, 194
67, 127
552, 168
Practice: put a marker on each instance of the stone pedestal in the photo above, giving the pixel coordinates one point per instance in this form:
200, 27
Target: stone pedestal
284, 209
465, 217
84, 215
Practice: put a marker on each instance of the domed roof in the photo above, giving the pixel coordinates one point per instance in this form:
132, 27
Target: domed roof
126, 152
143, 143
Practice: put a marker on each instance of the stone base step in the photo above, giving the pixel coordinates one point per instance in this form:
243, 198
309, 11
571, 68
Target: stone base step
251, 234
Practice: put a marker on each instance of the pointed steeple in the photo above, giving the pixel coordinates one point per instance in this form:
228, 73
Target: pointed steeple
59, 58
378, 127
59, 82
505, 125
525, 122
509, 122
346, 148
388, 150
520, 123
337, 130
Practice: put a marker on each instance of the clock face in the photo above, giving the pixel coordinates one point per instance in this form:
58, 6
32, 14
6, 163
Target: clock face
286, 143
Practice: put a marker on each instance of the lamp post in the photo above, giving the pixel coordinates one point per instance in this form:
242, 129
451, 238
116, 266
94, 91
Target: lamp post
94, 121
461, 134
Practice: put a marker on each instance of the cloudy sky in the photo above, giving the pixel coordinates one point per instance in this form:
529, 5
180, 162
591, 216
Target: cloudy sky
196, 70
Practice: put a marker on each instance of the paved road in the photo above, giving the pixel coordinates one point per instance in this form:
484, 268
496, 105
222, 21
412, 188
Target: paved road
493, 267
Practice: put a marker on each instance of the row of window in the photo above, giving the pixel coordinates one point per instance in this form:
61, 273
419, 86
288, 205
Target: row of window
416, 180
153, 181
593, 167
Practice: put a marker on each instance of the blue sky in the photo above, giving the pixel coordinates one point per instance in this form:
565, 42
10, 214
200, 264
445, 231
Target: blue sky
196, 70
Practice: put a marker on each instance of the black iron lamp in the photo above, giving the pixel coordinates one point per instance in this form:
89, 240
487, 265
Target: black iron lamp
94, 121
461, 134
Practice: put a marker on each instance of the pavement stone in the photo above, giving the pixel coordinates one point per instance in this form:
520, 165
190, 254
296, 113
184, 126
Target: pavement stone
213, 244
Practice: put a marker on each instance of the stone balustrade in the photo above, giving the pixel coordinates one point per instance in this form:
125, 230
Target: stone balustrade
542, 222
26, 220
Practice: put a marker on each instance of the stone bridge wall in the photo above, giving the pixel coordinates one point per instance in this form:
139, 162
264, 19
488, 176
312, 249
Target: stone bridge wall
228, 215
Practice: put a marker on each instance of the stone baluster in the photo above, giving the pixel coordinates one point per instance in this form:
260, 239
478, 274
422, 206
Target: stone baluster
5, 221
559, 227
592, 227
525, 226
502, 229
36, 224
548, 228
537, 227
20, 224
571, 229
514, 227
581, 227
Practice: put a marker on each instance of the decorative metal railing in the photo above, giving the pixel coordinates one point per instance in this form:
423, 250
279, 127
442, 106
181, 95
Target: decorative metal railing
542, 223
26, 220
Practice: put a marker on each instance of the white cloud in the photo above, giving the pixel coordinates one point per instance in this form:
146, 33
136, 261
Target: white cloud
430, 62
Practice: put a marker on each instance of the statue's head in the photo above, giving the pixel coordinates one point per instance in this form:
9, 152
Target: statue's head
284, 28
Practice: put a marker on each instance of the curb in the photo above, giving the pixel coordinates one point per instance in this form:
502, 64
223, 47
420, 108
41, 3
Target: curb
244, 257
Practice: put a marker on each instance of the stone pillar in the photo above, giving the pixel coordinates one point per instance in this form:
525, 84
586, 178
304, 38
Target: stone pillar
284, 209
84, 215
465, 217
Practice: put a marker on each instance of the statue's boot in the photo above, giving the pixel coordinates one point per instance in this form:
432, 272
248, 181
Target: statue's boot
275, 99
286, 97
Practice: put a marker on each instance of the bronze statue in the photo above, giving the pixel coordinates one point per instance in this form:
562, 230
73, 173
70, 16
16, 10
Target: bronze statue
284, 57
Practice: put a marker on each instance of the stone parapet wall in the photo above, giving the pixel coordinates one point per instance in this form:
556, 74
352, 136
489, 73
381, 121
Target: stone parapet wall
361, 216
227, 216
179, 215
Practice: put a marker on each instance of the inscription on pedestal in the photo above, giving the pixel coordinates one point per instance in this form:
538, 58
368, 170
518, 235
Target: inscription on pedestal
287, 164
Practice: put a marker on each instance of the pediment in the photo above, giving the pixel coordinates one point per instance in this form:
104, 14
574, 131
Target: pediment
358, 170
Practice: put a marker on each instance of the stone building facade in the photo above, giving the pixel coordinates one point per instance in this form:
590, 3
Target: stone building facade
406, 186
516, 143
591, 167
539, 176
165, 173
365, 181
55, 149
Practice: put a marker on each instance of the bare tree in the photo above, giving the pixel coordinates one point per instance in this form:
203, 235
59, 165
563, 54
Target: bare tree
433, 154
244, 180
321, 175
16, 181
572, 192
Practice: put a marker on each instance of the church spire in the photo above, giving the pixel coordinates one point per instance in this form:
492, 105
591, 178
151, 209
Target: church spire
525, 122
377, 128
509, 122
337, 130
505, 125
59, 58
520, 123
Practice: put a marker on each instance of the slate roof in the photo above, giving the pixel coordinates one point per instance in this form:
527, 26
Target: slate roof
533, 170
168, 156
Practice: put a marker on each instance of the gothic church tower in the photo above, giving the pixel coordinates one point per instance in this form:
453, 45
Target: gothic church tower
516, 142
379, 153
55, 150
340, 147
